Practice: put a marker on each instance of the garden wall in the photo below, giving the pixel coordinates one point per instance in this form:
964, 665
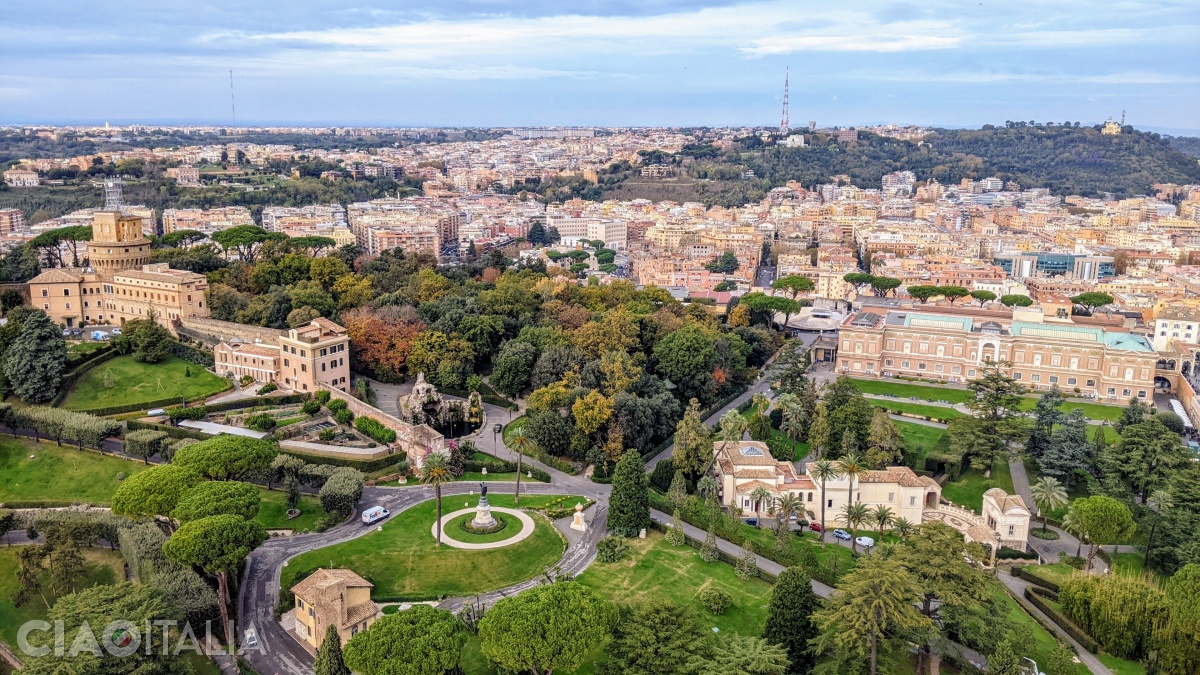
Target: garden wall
414, 441
212, 330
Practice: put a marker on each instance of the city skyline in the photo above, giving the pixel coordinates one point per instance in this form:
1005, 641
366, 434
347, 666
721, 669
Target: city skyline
477, 63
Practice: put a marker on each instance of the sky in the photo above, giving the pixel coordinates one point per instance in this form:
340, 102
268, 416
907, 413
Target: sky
956, 63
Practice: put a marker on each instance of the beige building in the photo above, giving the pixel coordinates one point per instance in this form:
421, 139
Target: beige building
21, 178
1038, 351
307, 358
333, 597
11, 220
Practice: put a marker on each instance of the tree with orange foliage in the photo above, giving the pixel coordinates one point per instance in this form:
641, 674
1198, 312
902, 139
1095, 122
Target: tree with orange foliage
380, 345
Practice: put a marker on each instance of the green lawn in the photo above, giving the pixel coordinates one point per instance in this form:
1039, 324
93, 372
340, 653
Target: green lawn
511, 428
272, 513
85, 347
404, 563
102, 566
1121, 666
935, 411
920, 438
1056, 572
1043, 642
58, 474
135, 382
934, 392
969, 488
511, 529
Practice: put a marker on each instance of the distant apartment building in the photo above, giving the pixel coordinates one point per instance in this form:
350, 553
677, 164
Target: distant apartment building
305, 358
1047, 263
614, 233
185, 175
11, 221
19, 178
1096, 362
207, 221
554, 133
416, 224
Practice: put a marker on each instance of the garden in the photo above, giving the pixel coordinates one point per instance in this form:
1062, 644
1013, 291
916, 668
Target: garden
125, 381
949, 394
45, 474
404, 562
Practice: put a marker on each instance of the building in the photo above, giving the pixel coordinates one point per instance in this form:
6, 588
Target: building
21, 178
185, 175
307, 358
74, 297
1023, 265
207, 221
1039, 352
333, 597
11, 221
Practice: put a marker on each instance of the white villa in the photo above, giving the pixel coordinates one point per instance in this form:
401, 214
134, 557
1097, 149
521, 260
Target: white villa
743, 467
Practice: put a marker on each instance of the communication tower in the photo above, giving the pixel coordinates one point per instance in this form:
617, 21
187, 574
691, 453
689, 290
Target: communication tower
783, 122
112, 195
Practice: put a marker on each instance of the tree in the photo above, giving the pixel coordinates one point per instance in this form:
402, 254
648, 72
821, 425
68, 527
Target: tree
882, 516
217, 545
1004, 661
245, 240
693, 449
953, 293
436, 472
418, 641
996, 407
1070, 451
793, 285
228, 457
983, 297
874, 609
66, 567
790, 618
924, 293
1134, 413
859, 280
218, 498
881, 286
547, 628
854, 516
677, 493
905, 528
629, 506
825, 470
1102, 520
146, 339
726, 263
1016, 300
1179, 651
155, 491
1047, 415
1160, 502
818, 431
1048, 494
1092, 301
1147, 455
885, 443
29, 569
850, 466
761, 497
657, 638
687, 357
342, 490
513, 367
742, 655
523, 445
759, 424
36, 360
329, 656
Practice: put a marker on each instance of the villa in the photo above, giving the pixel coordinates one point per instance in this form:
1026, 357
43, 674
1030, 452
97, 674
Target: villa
333, 597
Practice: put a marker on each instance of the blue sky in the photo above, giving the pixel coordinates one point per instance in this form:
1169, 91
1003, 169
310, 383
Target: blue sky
620, 62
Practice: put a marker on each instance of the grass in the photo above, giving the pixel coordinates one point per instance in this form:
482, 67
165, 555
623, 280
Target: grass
933, 392
58, 474
934, 411
1043, 642
1056, 572
511, 428
81, 348
920, 438
272, 512
969, 488
135, 382
404, 563
1121, 666
102, 566
198, 664
512, 528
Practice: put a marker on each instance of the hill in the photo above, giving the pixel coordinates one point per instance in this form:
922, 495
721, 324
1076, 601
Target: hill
1067, 160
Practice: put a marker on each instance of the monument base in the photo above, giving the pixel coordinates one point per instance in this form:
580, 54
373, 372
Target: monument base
483, 515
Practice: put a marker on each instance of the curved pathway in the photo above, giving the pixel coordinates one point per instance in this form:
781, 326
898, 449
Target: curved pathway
526, 530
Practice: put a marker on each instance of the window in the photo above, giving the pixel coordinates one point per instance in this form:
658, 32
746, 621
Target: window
285, 362
1053, 379
1036, 377
1126, 392
45, 292
1111, 391
1072, 380
66, 291
887, 362
937, 367
1011, 530
303, 368
921, 366
810, 496
1141, 393
830, 504
1090, 383
956, 369
68, 305
1016, 376
891, 496
904, 364
912, 501
299, 603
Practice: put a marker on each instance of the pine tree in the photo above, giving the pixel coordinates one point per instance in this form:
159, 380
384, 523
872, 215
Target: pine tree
66, 566
629, 505
747, 565
885, 444
537, 234
35, 362
708, 551
1069, 450
790, 618
677, 494
675, 534
329, 659
1004, 661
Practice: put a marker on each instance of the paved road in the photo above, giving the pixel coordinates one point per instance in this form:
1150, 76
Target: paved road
1049, 550
1017, 587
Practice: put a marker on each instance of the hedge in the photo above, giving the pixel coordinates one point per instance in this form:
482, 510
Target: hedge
368, 466
69, 379
497, 465
148, 405
75, 362
1014, 554
238, 404
1039, 597
1020, 572
190, 353
375, 429
173, 432
485, 397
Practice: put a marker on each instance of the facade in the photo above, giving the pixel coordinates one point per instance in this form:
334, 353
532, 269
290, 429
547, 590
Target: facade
1019, 266
184, 175
11, 221
333, 597
207, 221
21, 178
307, 358
1041, 353
118, 242
73, 297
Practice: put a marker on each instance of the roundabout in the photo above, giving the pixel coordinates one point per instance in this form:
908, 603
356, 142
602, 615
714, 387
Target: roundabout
508, 536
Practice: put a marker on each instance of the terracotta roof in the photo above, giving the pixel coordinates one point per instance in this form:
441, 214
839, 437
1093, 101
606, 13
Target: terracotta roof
900, 475
359, 613
325, 585
251, 348
1005, 501
754, 473
980, 533
172, 277
58, 276
800, 483
758, 455
747, 488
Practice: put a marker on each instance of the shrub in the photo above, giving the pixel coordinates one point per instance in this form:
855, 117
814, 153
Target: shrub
343, 416
327, 434
1014, 554
1120, 612
144, 443
375, 429
663, 474
261, 422
246, 380
323, 396
611, 549
341, 492
336, 405
310, 408
267, 388
715, 600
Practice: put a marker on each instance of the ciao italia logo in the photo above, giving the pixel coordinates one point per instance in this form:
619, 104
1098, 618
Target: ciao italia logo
124, 638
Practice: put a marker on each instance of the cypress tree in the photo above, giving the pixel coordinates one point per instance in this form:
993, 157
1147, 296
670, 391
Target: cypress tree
329, 659
789, 618
629, 506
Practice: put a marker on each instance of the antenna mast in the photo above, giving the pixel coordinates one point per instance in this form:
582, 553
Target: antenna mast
232, 105
1122, 118
783, 122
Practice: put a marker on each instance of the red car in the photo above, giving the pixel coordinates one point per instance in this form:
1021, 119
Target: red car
815, 527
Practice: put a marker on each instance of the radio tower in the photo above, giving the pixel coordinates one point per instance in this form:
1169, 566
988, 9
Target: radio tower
232, 104
783, 122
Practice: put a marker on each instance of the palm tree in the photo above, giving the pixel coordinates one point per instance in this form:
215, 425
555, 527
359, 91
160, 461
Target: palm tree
1049, 494
853, 516
521, 443
793, 422
760, 496
883, 517
436, 472
760, 424
852, 467
824, 470
904, 527
788, 505
1160, 501
1069, 524
707, 487
732, 427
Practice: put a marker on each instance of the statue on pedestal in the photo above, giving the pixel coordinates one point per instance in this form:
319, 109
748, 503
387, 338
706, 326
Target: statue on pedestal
577, 523
483, 512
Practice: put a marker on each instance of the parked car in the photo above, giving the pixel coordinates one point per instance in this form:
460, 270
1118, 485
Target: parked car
815, 527
251, 638
116, 331
865, 542
841, 534
496, 428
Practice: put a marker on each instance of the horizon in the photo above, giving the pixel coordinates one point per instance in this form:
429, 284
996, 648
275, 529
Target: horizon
479, 64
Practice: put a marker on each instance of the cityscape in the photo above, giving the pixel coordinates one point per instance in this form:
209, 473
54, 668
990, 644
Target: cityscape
855, 391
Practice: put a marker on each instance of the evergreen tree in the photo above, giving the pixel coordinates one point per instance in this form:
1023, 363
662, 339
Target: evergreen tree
1046, 414
693, 443
675, 535
885, 444
657, 639
329, 659
677, 493
790, 618
747, 565
1069, 450
1133, 413
708, 550
35, 362
1004, 661
537, 234
629, 506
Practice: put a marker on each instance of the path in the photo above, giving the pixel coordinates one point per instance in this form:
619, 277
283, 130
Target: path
1049, 550
1017, 587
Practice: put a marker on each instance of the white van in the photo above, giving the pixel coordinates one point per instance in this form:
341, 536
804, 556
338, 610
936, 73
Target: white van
374, 515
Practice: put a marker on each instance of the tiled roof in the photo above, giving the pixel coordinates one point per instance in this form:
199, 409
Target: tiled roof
900, 475
58, 276
754, 473
747, 488
1005, 501
758, 455
325, 585
359, 613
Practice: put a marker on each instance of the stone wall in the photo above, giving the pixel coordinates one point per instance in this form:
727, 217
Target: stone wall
213, 331
414, 440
